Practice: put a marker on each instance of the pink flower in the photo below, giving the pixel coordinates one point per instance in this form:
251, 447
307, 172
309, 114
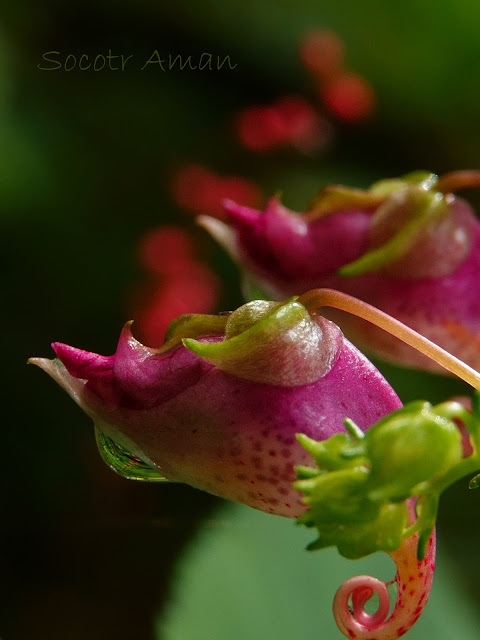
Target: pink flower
219, 404
403, 246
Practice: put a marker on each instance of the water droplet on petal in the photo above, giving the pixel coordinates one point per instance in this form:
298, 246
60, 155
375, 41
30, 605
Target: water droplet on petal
124, 463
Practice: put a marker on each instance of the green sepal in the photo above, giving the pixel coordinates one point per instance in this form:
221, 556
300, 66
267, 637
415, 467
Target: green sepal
354, 430
427, 509
424, 179
192, 325
276, 343
246, 336
334, 198
334, 453
304, 473
426, 206
337, 498
356, 540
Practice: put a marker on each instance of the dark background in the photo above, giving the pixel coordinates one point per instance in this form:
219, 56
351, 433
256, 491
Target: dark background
86, 161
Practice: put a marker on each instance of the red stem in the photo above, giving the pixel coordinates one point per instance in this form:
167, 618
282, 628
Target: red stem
414, 581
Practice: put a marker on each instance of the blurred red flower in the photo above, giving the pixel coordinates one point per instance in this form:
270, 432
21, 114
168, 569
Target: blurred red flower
290, 121
349, 96
177, 283
201, 191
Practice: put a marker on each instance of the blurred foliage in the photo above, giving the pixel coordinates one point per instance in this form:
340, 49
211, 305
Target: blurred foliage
85, 165
247, 576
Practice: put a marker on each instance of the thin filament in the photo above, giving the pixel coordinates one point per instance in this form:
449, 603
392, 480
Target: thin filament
317, 298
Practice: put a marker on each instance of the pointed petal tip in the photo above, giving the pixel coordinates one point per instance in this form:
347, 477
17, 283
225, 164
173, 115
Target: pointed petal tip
127, 337
53, 367
70, 356
64, 350
39, 362
240, 214
228, 204
127, 330
275, 200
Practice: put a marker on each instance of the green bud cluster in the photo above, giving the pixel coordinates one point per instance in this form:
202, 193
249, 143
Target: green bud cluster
357, 494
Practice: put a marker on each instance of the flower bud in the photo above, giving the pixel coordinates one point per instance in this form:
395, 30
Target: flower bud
219, 404
407, 448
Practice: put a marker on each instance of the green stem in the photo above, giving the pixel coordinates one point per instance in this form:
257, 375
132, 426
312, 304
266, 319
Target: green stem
464, 468
317, 298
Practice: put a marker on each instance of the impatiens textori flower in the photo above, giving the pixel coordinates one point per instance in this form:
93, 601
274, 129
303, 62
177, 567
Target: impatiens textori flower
406, 246
220, 404
220, 412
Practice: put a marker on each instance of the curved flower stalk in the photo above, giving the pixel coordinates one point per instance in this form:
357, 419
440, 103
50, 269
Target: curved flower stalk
413, 582
379, 491
407, 246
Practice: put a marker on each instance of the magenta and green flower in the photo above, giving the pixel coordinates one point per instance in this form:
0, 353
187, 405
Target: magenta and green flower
407, 246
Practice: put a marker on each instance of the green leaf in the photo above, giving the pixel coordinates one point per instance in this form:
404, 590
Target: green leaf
247, 576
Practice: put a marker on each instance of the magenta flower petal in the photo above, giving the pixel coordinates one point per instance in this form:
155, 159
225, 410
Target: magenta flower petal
83, 364
283, 247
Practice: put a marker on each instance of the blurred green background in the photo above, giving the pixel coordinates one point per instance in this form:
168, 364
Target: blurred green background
86, 163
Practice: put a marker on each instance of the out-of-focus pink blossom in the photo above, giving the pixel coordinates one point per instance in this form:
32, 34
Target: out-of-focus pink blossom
177, 283
201, 191
289, 122
348, 96
362, 243
322, 52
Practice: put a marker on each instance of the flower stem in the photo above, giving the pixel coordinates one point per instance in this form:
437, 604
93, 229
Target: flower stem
316, 298
451, 182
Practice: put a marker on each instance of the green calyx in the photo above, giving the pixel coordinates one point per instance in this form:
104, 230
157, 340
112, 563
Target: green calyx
358, 490
411, 207
409, 214
192, 325
335, 197
273, 343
